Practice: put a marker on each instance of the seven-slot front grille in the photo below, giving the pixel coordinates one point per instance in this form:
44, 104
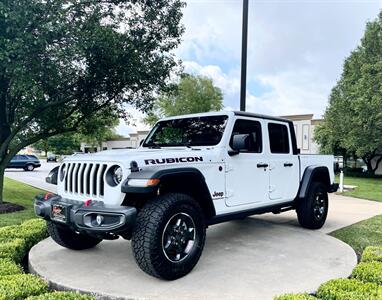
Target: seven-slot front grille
85, 179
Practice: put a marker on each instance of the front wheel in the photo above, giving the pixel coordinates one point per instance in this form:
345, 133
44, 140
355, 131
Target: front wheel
169, 236
313, 210
71, 239
29, 168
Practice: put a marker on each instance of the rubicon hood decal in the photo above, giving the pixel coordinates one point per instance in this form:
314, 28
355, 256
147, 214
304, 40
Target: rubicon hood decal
173, 160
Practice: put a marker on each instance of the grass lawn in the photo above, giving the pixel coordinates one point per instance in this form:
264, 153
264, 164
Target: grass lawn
22, 194
368, 232
367, 188
362, 234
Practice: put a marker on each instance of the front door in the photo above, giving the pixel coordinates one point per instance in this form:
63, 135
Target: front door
247, 176
283, 164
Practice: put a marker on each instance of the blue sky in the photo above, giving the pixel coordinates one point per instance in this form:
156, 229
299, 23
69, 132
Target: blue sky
296, 49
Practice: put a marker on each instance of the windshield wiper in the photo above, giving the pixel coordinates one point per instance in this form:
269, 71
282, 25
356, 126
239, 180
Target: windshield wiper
186, 144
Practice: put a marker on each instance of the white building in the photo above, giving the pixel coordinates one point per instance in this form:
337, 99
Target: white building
130, 142
304, 126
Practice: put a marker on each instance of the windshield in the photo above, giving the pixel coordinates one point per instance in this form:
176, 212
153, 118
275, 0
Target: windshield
200, 131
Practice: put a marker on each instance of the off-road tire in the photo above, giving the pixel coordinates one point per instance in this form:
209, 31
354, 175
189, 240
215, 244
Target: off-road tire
29, 168
149, 235
308, 212
70, 239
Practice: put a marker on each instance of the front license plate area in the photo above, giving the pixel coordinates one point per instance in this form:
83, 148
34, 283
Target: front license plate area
59, 212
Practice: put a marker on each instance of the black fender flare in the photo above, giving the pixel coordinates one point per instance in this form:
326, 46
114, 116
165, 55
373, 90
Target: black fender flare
171, 180
162, 175
311, 173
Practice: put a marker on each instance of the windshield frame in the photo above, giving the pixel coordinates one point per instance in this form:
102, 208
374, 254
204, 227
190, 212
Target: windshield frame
225, 123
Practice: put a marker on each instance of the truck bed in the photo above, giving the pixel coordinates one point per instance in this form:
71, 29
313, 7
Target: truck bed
316, 160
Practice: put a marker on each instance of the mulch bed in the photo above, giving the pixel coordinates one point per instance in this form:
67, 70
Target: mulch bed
6, 208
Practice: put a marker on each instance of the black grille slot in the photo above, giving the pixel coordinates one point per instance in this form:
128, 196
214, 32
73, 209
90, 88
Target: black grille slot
102, 183
88, 179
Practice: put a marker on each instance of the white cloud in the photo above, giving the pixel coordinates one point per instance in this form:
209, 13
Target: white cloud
295, 92
295, 53
287, 92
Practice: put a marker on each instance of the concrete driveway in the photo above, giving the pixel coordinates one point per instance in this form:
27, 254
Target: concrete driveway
35, 178
256, 258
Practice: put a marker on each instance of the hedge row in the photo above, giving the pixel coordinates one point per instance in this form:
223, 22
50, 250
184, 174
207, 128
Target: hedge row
20, 286
349, 289
369, 272
15, 242
8, 267
372, 253
366, 282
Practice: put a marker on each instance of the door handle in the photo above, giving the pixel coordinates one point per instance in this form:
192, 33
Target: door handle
262, 165
288, 164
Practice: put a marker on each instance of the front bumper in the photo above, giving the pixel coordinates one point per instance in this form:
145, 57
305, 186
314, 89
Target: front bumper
94, 218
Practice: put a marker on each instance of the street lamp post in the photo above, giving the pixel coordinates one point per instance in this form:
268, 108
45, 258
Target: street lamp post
244, 47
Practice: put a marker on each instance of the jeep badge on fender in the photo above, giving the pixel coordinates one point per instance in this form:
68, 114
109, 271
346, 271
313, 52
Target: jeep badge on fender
163, 195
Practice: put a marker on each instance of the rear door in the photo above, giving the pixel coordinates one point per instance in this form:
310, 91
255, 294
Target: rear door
14, 163
283, 164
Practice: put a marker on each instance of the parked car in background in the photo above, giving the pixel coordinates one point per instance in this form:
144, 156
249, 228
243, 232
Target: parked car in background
26, 162
51, 157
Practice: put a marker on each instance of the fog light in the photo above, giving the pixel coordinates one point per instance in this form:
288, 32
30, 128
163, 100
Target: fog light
99, 220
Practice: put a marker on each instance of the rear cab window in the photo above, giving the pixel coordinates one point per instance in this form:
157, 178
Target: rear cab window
278, 138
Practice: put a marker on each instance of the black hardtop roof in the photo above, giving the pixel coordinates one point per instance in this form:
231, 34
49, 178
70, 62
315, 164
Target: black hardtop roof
260, 116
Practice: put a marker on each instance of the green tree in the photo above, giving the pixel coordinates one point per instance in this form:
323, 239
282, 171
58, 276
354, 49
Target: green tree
103, 129
63, 61
65, 143
193, 94
353, 119
94, 133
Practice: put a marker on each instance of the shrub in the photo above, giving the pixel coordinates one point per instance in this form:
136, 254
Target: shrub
349, 289
12, 249
8, 267
62, 296
295, 297
369, 272
32, 231
16, 287
372, 253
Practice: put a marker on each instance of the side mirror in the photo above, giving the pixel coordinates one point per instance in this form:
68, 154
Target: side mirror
53, 175
240, 142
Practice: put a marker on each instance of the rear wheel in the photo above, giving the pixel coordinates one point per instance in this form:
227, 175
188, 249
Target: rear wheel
313, 210
169, 236
71, 239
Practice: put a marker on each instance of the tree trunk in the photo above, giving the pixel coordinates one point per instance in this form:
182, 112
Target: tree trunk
368, 162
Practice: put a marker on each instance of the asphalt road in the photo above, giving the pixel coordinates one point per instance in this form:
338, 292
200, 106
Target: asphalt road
35, 178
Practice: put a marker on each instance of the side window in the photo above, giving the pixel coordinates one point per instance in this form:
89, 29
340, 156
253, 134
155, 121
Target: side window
253, 128
278, 138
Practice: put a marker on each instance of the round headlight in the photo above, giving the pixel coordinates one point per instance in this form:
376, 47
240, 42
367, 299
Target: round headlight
117, 175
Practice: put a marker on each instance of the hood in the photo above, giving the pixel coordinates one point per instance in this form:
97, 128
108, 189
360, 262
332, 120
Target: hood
146, 156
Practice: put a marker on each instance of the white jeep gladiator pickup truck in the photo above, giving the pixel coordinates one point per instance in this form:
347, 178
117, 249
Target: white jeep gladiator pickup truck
190, 172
